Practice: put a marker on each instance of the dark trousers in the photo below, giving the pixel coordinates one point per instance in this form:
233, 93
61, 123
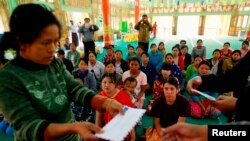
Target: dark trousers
145, 46
75, 39
88, 46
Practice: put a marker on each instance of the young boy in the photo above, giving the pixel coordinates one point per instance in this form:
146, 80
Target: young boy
141, 78
129, 87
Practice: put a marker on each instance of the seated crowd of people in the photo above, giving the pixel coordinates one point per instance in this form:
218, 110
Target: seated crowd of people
157, 73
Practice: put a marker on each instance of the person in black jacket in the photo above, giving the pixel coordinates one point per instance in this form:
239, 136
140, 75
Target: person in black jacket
236, 80
216, 63
68, 64
87, 31
120, 64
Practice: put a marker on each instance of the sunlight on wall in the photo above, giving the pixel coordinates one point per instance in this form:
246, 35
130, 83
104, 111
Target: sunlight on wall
220, 27
225, 19
164, 25
212, 25
77, 16
187, 25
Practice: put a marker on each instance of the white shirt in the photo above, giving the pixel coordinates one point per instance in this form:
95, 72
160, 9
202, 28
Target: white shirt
98, 68
73, 28
141, 80
118, 69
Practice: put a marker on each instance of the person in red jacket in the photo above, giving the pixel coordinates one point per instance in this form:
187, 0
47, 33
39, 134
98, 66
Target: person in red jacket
154, 29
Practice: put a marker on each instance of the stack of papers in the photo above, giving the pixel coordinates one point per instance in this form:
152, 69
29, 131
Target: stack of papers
204, 94
119, 127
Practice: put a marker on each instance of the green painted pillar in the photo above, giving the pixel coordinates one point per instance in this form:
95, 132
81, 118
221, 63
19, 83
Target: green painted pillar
12, 5
124, 26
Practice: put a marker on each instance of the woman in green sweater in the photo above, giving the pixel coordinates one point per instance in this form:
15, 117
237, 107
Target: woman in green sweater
36, 89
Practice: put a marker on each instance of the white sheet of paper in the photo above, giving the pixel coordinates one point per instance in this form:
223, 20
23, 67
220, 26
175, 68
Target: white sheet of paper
204, 94
119, 127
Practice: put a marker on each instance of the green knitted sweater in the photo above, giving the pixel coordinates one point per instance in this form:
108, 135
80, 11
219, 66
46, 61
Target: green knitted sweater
32, 96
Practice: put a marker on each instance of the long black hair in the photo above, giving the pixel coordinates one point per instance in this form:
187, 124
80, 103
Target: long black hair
26, 24
173, 81
167, 67
111, 76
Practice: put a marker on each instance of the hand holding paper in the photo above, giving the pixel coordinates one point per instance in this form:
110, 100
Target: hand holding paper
204, 94
118, 128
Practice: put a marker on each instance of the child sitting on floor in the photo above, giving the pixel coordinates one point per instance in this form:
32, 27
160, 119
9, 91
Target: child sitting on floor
206, 109
129, 87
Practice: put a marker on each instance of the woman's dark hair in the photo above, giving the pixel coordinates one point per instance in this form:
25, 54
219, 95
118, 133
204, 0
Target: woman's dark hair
86, 19
166, 66
204, 62
173, 81
85, 60
198, 56
72, 44
183, 41
227, 43
134, 59
245, 42
26, 24
153, 44
109, 62
169, 54
91, 52
130, 79
139, 46
236, 51
199, 40
145, 53
177, 46
118, 51
112, 77
184, 46
216, 50
161, 43
130, 46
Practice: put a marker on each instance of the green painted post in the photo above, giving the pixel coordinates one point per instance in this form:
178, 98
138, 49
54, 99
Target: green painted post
124, 26
12, 5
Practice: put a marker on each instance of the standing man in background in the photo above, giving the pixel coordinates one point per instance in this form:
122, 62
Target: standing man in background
144, 28
80, 35
73, 28
87, 32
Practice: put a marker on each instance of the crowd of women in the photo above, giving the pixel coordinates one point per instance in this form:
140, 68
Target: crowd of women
38, 93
